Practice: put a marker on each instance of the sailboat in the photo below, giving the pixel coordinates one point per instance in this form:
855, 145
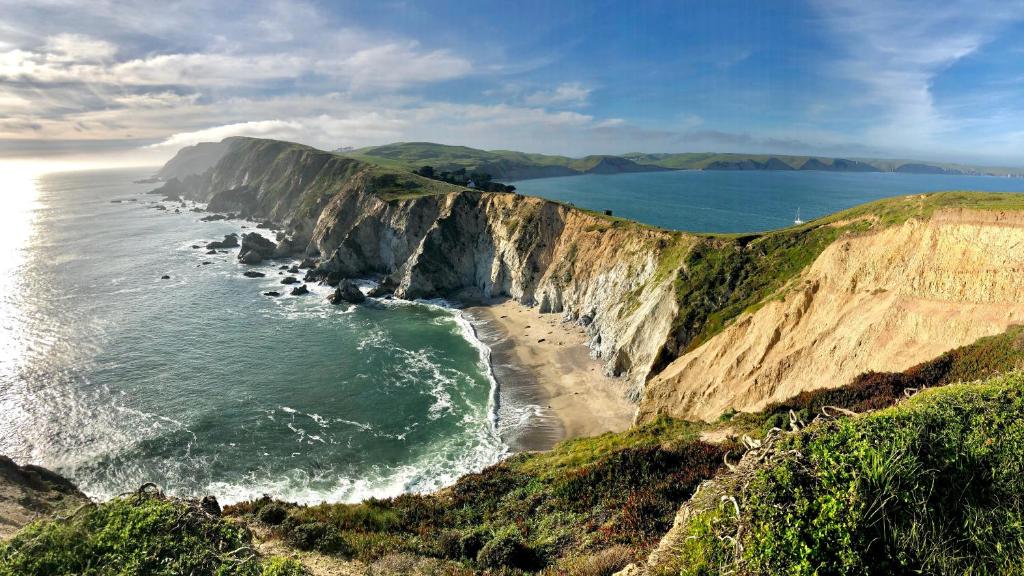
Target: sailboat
797, 221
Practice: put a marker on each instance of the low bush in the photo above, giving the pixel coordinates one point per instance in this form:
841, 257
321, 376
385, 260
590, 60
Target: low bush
934, 485
534, 511
142, 534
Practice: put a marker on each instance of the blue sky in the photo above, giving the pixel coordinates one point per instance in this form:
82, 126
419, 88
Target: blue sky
131, 81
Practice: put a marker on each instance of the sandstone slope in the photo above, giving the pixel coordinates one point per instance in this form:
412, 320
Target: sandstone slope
881, 301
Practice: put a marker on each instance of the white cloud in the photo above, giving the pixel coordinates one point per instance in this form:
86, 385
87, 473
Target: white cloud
78, 48
897, 50
165, 99
395, 65
569, 94
281, 129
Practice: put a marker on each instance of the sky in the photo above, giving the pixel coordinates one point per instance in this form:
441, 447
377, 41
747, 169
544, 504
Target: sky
130, 82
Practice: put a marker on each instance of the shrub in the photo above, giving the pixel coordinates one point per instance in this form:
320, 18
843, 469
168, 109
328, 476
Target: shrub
505, 549
934, 485
143, 534
273, 513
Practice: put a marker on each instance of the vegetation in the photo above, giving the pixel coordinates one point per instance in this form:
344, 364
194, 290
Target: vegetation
528, 513
476, 179
135, 535
502, 164
510, 165
715, 160
934, 485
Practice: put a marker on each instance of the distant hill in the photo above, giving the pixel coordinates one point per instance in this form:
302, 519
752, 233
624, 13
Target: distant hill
733, 161
501, 164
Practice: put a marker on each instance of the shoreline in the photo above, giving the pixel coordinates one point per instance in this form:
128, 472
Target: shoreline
549, 387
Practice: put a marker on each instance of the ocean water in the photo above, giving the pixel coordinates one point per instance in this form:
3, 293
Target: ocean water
751, 201
200, 383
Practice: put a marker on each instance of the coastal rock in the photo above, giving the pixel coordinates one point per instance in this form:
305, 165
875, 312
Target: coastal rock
165, 277
347, 291
253, 274
300, 290
29, 493
290, 280
387, 286
255, 248
272, 293
229, 241
211, 251
213, 218
210, 505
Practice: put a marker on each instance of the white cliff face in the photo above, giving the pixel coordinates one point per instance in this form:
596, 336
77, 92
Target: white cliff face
537, 252
883, 302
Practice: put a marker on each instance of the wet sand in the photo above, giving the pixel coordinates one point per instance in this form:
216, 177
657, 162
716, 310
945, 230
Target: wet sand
539, 360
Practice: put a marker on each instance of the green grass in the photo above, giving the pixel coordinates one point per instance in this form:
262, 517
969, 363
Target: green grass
135, 536
531, 512
934, 485
501, 164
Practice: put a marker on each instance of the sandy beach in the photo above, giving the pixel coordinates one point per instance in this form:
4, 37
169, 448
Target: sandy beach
540, 360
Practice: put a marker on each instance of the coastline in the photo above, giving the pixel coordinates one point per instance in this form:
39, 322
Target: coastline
549, 388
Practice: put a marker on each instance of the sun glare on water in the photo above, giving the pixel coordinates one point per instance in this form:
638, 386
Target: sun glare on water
18, 189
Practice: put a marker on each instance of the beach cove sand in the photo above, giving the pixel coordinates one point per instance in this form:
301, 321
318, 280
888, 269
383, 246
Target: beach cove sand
540, 360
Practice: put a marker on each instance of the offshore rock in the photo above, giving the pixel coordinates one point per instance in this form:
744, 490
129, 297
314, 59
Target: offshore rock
347, 291
255, 249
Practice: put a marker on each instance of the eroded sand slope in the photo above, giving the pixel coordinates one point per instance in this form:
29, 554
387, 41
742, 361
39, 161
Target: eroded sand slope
883, 302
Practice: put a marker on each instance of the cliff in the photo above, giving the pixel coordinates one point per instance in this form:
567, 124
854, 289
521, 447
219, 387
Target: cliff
434, 239
697, 324
881, 300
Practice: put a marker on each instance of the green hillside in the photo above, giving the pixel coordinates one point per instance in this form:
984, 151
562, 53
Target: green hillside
511, 165
501, 164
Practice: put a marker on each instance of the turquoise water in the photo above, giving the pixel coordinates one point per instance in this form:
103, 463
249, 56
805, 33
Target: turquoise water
202, 384
722, 201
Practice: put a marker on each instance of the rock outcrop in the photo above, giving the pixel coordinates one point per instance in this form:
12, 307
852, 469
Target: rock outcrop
255, 249
347, 291
229, 241
28, 493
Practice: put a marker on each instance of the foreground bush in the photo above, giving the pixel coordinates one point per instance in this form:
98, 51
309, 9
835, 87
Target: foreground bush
138, 535
556, 510
934, 485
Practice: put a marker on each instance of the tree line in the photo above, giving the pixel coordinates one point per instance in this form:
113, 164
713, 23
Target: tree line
475, 179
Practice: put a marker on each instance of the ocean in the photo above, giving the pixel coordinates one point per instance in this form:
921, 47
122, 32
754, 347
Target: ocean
200, 383
114, 377
743, 201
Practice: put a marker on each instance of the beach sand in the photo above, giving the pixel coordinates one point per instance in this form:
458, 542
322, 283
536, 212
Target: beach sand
540, 360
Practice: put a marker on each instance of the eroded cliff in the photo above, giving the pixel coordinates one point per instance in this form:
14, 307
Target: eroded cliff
698, 324
433, 239
879, 301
